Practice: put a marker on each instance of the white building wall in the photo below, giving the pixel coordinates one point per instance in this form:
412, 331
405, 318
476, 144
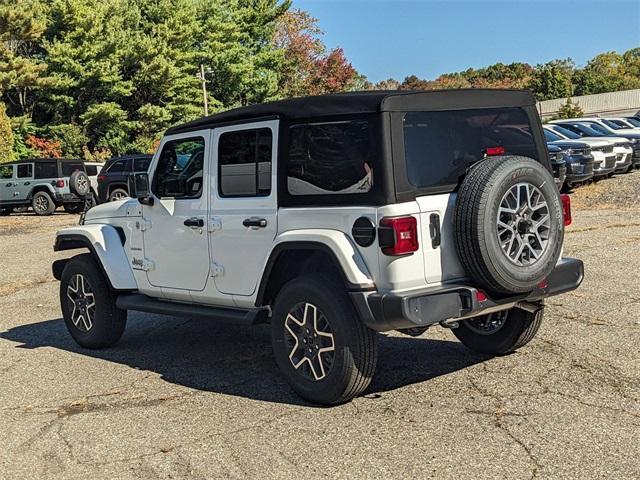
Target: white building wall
611, 104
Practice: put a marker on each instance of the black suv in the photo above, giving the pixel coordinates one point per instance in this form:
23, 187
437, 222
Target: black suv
114, 177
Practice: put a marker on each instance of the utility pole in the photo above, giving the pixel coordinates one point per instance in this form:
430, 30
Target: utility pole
204, 90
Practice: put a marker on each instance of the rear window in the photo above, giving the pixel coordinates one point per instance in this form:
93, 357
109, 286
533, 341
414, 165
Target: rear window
92, 170
441, 146
330, 158
45, 170
69, 167
117, 167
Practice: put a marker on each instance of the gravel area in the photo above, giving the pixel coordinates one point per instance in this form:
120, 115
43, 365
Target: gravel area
180, 398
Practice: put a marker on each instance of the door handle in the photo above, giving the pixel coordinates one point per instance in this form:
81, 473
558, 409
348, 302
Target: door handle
27, 183
255, 222
194, 222
9, 185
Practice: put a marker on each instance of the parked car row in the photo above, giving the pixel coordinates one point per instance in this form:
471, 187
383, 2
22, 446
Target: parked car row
593, 148
42, 184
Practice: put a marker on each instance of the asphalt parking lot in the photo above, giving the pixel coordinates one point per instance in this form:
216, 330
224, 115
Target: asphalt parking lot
180, 398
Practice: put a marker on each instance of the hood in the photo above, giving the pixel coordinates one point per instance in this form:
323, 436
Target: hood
573, 144
129, 207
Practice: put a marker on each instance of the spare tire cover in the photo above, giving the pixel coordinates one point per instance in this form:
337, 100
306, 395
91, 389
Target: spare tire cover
508, 224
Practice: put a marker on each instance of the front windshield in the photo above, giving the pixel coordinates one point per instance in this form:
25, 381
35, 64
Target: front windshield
598, 128
585, 130
551, 137
566, 132
616, 125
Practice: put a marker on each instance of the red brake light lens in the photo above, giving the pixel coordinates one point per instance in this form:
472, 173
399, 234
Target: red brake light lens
493, 151
481, 296
101, 178
405, 235
566, 209
60, 183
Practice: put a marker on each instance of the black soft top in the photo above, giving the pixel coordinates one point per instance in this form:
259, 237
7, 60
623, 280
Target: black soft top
44, 160
365, 102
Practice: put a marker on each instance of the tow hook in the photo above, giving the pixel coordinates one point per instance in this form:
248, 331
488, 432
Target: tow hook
449, 324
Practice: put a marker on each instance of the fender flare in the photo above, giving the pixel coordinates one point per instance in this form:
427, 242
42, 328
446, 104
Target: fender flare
336, 244
40, 187
106, 244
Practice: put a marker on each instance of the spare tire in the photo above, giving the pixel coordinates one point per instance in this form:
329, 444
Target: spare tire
508, 224
79, 184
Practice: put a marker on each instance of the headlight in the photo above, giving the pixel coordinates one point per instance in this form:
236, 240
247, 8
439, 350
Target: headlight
578, 151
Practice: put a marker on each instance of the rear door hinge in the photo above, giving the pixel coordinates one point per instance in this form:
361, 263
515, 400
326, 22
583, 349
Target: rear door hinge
215, 223
216, 269
143, 224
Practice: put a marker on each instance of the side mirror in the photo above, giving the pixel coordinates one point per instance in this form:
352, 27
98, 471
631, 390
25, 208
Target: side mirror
139, 188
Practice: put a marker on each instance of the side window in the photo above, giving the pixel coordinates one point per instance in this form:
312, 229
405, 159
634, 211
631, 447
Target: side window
179, 170
46, 170
118, 166
6, 172
244, 163
141, 164
330, 158
25, 170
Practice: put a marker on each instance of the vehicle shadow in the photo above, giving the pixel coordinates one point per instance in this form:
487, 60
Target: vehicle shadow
236, 360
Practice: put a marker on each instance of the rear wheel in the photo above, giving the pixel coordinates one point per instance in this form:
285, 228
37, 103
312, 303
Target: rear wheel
89, 305
499, 333
324, 351
42, 203
118, 194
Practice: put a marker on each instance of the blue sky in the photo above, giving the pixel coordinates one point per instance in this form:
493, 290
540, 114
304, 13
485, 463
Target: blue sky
396, 38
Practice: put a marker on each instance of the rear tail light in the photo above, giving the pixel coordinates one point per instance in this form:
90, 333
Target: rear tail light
493, 151
101, 178
399, 235
566, 209
60, 183
481, 296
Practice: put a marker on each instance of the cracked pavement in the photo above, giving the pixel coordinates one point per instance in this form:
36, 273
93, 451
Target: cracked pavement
181, 398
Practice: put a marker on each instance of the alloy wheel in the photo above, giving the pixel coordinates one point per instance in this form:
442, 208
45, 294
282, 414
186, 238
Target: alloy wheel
524, 223
309, 339
82, 301
117, 195
487, 324
41, 203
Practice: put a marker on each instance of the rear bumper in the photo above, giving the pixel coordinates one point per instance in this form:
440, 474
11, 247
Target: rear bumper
449, 302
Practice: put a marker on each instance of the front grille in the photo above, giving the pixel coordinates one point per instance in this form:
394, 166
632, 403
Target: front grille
588, 168
609, 162
607, 149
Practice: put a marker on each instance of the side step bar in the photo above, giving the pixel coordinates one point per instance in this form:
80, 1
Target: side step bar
143, 303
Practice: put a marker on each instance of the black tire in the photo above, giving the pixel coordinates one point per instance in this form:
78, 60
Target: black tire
73, 208
117, 194
106, 323
79, 184
476, 227
354, 358
518, 329
5, 211
42, 204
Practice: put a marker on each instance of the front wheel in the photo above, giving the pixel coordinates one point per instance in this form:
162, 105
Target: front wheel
499, 333
89, 305
326, 354
5, 211
73, 207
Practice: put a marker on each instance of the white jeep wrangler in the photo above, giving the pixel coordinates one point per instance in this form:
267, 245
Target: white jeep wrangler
333, 218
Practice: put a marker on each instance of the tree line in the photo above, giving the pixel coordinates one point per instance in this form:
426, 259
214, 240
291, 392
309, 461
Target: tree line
94, 78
